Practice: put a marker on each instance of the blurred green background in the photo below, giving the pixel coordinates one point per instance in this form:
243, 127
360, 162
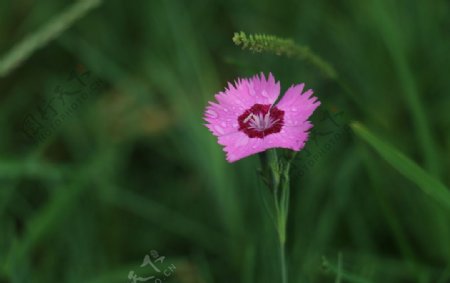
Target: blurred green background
104, 158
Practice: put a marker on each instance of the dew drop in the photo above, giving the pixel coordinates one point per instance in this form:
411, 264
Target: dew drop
223, 124
264, 93
212, 113
219, 129
251, 90
294, 109
242, 141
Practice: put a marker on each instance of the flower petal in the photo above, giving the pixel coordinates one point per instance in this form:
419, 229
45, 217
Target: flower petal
260, 90
290, 137
297, 107
238, 145
221, 119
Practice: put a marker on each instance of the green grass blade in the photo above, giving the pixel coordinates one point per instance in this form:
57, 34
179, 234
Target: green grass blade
392, 36
429, 185
40, 38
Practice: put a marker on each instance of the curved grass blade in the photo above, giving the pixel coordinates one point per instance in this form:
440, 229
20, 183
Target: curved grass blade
428, 184
43, 36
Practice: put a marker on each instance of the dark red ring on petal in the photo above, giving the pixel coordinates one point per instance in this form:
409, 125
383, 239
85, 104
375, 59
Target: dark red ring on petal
275, 114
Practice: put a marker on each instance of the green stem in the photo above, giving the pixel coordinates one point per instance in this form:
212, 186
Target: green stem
283, 215
284, 278
276, 173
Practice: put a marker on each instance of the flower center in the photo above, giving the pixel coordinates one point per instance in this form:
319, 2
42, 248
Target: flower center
261, 120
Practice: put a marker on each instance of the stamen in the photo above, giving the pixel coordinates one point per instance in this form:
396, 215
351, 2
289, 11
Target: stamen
250, 116
267, 119
261, 120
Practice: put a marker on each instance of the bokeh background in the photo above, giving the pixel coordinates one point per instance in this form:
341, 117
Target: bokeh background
104, 158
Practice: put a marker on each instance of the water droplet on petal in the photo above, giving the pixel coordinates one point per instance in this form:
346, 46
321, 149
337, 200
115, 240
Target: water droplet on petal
251, 90
219, 129
294, 109
264, 93
223, 124
212, 113
242, 141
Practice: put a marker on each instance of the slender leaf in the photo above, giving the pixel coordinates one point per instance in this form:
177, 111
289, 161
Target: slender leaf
429, 185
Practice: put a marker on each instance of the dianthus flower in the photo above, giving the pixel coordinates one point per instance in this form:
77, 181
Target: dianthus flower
247, 118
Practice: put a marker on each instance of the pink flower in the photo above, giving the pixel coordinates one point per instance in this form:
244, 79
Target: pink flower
246, 119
